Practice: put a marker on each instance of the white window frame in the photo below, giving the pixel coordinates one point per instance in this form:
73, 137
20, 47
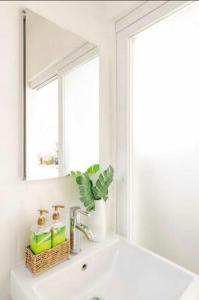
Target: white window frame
143, 16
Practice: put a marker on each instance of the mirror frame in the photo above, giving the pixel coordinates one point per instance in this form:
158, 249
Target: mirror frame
24, 93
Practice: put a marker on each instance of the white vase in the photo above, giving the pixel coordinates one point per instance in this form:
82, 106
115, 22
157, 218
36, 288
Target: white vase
97, 221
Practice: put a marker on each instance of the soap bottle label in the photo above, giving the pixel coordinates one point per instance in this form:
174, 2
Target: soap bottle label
58, 235
40, 241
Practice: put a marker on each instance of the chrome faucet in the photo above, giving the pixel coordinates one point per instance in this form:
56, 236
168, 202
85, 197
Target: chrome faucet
76, 227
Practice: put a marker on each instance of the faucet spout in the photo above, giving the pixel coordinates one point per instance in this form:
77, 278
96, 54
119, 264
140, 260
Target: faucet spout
86, 231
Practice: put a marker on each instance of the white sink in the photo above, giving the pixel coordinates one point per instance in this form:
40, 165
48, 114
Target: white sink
112, 270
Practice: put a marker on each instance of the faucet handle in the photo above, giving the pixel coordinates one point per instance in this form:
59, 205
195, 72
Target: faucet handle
75, 210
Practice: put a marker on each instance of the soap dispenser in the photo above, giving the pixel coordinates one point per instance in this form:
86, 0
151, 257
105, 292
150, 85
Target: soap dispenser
40, 239
58, 227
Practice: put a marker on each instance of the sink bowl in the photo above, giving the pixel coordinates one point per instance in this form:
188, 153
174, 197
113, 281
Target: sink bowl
112, 270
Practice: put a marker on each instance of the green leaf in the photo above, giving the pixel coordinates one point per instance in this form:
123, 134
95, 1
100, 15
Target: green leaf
85, 188
90, 193
93, 169
74, 174
100, 190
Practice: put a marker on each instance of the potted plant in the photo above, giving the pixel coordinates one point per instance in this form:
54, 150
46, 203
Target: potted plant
93, 187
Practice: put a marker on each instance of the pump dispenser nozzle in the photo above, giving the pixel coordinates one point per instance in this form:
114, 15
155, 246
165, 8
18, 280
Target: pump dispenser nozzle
41, 220
56, 214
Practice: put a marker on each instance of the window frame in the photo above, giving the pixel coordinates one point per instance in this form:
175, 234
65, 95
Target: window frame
143, 16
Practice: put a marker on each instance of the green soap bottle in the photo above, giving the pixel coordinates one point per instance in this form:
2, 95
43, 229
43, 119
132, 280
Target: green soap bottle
40, 239
58, 227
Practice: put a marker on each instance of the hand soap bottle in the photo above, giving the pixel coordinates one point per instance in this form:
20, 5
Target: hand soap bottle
58, 227
40, 239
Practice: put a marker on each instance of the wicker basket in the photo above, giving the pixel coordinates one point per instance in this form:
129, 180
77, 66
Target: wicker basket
38, 263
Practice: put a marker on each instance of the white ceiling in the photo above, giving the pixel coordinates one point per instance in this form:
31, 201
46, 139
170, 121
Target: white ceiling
69, 14
106, 11
117, 9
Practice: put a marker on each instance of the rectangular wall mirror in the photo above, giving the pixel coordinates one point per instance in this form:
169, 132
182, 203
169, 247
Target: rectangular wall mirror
61, 100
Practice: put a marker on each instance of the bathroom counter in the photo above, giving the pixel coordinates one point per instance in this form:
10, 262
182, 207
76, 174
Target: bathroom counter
22, 275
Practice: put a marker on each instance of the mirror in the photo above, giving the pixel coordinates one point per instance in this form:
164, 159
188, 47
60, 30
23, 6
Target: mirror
61, 100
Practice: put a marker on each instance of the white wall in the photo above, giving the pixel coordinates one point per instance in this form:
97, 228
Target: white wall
18, 199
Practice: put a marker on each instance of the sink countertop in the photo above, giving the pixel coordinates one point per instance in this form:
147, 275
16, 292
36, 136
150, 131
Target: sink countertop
23, 274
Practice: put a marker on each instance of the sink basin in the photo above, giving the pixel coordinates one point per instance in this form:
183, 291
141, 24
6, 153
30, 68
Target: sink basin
112, 270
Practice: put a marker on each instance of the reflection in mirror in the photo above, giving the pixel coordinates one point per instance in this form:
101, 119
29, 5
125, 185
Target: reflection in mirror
61, 100
42, 129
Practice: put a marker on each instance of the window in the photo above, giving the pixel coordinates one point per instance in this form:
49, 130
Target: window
63, 120
165, 93
42, 127
81, 86
128, 28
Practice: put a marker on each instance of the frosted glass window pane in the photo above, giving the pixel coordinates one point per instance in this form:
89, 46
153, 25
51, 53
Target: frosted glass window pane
42, 132
82, 115
165, 100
